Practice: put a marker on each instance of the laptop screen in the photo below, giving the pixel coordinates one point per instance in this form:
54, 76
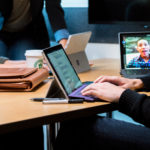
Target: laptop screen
63, 69
135, 50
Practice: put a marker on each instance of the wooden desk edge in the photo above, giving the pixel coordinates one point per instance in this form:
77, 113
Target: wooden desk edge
57, 117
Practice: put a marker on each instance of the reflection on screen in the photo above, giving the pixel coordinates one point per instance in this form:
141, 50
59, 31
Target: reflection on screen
132, 57
64, 70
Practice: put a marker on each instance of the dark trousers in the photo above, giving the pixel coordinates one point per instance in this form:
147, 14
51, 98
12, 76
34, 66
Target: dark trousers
27, 139
97, 133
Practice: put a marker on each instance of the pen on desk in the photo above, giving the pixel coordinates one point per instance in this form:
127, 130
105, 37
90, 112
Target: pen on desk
57, 100
41, 99
64, 101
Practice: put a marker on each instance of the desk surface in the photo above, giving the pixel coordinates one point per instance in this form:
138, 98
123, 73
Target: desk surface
17, 111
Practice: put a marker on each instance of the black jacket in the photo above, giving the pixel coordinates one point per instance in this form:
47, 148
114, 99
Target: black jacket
54, 10
137, 105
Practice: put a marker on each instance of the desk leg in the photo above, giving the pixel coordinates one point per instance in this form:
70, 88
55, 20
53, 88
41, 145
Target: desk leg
50, 133
46, 137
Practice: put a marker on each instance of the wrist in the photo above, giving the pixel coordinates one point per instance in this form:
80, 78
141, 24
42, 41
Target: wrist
121, 90
138, 84
63, 42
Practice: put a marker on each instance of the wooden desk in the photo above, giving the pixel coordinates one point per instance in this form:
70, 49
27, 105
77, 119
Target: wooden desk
17, 111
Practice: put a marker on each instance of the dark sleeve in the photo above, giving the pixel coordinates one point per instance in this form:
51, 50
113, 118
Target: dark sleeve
3, 59
55, 14
136, 106
146, 81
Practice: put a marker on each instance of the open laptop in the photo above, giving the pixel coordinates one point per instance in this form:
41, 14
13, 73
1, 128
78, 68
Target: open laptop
65, 73
132, 64
75, 49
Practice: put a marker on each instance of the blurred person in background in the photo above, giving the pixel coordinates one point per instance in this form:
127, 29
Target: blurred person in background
22, 26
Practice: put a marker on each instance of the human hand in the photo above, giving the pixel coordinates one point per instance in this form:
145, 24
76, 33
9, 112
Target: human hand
45, 66
63, 42
126, 83
105, 91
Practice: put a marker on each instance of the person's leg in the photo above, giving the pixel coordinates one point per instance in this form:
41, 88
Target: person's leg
3, 48
102, 133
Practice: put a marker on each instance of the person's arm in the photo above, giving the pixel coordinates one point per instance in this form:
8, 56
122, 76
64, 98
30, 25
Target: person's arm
131, 103
61, 36
146, 81
136, 106
57, 21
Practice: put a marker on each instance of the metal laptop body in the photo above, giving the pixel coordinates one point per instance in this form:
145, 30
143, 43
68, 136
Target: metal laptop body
64, 73
128, 52
75, 49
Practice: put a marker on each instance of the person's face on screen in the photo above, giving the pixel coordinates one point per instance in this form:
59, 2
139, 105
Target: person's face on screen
143, 48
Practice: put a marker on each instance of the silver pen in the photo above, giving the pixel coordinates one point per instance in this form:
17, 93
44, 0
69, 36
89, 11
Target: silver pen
58, 101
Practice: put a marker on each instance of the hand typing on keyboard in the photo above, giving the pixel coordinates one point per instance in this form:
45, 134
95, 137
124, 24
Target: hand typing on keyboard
126, 83
110, 88
105, 91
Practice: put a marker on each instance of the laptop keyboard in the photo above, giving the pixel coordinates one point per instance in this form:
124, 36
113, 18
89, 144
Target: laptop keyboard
137, 72
78, 91
77, 94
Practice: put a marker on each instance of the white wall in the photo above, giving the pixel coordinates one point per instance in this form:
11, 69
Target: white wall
74, 3
102, 50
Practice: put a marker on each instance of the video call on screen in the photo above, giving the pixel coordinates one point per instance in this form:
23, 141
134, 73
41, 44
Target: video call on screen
130, 51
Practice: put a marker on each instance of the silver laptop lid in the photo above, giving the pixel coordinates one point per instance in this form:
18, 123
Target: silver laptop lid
77, 42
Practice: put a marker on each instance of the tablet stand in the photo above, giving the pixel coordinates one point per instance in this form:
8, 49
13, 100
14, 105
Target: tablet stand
51, 130
55, 91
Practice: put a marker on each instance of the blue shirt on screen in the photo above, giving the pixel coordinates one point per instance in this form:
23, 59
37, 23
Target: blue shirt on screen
138, 62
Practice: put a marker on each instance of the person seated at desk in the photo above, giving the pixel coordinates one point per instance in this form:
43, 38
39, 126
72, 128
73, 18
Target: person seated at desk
95, 133
143, 60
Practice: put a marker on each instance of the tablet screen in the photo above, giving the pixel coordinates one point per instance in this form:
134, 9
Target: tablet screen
64, 69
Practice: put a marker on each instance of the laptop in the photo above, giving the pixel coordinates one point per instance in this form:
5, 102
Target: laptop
65, 74
132, 64
75, 49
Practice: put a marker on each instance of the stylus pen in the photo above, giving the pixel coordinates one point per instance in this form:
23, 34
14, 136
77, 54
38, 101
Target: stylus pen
64, 101
57, 100
41, 99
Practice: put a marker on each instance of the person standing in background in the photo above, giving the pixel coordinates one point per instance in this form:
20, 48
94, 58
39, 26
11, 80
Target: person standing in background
22, 26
